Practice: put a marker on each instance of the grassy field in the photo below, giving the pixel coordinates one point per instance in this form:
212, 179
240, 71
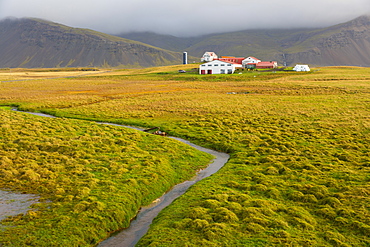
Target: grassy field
92, 178
299, 143
31, 74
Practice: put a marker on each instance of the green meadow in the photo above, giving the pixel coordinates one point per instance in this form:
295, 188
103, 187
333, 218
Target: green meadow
298, 175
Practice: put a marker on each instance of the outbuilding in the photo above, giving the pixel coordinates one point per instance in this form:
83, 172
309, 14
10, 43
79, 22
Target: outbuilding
218, 67
301, 67
267, 65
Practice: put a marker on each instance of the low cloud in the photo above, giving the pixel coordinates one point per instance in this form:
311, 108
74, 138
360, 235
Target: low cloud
187, 18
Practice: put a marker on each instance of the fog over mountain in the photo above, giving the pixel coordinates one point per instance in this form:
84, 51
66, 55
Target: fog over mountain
187, 18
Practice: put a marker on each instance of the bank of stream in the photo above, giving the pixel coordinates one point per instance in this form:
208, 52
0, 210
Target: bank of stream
140, 224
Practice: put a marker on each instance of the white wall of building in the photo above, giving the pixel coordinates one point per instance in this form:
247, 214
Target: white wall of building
218, 67
250, 60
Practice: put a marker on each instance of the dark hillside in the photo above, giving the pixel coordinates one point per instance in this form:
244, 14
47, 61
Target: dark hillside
343, 44
167, 42
33, 43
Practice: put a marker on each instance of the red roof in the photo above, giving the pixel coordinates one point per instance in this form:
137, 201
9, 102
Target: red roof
236, 60
271, 64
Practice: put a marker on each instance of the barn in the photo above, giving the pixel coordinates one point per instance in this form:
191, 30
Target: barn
218, 67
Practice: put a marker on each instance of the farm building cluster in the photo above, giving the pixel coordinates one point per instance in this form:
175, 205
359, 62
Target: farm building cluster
227, 65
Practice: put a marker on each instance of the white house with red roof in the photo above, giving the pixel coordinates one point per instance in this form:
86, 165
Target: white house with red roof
208, 56
218, 67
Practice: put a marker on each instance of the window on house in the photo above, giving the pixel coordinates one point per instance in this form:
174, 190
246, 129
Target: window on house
222, 64
209, 64
203, 65
216, 64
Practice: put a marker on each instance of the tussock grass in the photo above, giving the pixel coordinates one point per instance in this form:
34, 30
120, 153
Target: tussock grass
299, 145
92, 178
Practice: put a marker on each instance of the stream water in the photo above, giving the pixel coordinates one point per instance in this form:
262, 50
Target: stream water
12, 204
140, 225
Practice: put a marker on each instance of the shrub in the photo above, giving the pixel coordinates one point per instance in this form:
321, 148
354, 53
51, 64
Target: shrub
310, 198
274, 193
198, 213
281, 234
239, 198
327, 212
199, 224
335, 238
235, 207
279, 224
271, 170
217, 232
296, 196
211, 203
224, 215
81, 206
254, 228
331, 201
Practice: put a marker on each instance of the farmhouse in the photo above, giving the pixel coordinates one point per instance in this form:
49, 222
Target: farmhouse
234, 62
218, 67
301, 67
208, 56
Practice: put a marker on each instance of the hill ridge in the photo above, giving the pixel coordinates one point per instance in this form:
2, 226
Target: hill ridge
346, 43
32, 42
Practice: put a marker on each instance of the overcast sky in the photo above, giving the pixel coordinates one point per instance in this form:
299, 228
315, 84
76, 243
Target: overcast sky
187, 18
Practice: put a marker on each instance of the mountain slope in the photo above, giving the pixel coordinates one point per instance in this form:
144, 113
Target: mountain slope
167, 42
33, 43
342, 44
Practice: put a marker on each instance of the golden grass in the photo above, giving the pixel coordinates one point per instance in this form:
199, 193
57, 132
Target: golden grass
29, 74
299, 145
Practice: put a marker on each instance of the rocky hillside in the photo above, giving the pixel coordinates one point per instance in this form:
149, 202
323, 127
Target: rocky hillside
31, 43
34, 43
342, 44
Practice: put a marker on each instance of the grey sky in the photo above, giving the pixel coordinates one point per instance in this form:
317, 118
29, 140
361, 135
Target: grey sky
187, 18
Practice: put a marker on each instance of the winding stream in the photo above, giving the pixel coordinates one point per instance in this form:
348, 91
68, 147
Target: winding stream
140, 225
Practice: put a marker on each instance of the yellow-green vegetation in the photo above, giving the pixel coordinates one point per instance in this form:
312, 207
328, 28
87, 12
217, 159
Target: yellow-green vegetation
299, 170
92, 178
31, 74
